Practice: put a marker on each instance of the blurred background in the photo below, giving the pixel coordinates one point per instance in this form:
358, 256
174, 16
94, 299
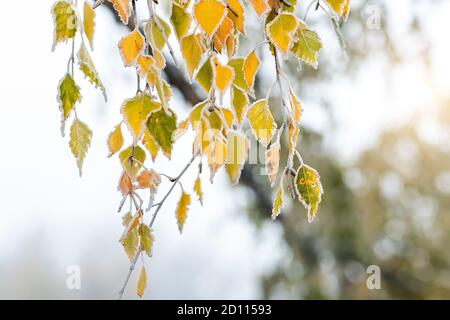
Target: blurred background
376, 126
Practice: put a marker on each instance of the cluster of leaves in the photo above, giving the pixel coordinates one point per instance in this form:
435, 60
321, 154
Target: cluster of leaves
208, 33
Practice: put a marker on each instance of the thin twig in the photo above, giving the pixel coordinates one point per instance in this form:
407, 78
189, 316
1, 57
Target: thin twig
158, 205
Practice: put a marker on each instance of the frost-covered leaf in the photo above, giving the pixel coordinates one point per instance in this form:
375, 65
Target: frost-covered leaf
123, 9
125, 185
309, 189
182, 210
131, 46
161, 126
181, 20
261, 121
250, 67
182, 128
146, 239
146, 69
239, 79
142, 282
115, 140
68, 95
204, 76
239, 103
224, 31
149, 179
198, 189
260, 6
340, 7
89, 23
130, 243
150, 144
80, 140
273, 161
223, 76
136, 111
192, 52
307, 45
278, 203
280, 31
237, 154
157, 32
236, 14
132, 159
209, 15
88, 69
217, 154
65, 20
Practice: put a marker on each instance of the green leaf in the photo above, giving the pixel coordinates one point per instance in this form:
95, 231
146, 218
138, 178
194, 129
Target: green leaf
239, 79
309, 189
65, 20
80, 140
307, 45
162, 126
204, 76
68, 95
88, 69
180, 19
157, 37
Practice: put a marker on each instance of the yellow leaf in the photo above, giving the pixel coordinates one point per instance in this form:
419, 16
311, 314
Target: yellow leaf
65, 20
231, 44
142, 283
340, 7
236, 14
115, 140
123, 9
273, 162
191, 50
309, 189
88, 69
131, 47
293, 132
260, 6
223, 76
89, 23
217, 155
182, 209
209, 15
182, 128
278, 203
80, 140
160, 61
132, 159
130, 244
307, 45
237, 154
146, 238
180, 19
146, 69
296, 107
68, 95
239, 102
261, 121
223, 32
198, 189
251, 65
280, 31
150, 144
239, 79
136, 111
